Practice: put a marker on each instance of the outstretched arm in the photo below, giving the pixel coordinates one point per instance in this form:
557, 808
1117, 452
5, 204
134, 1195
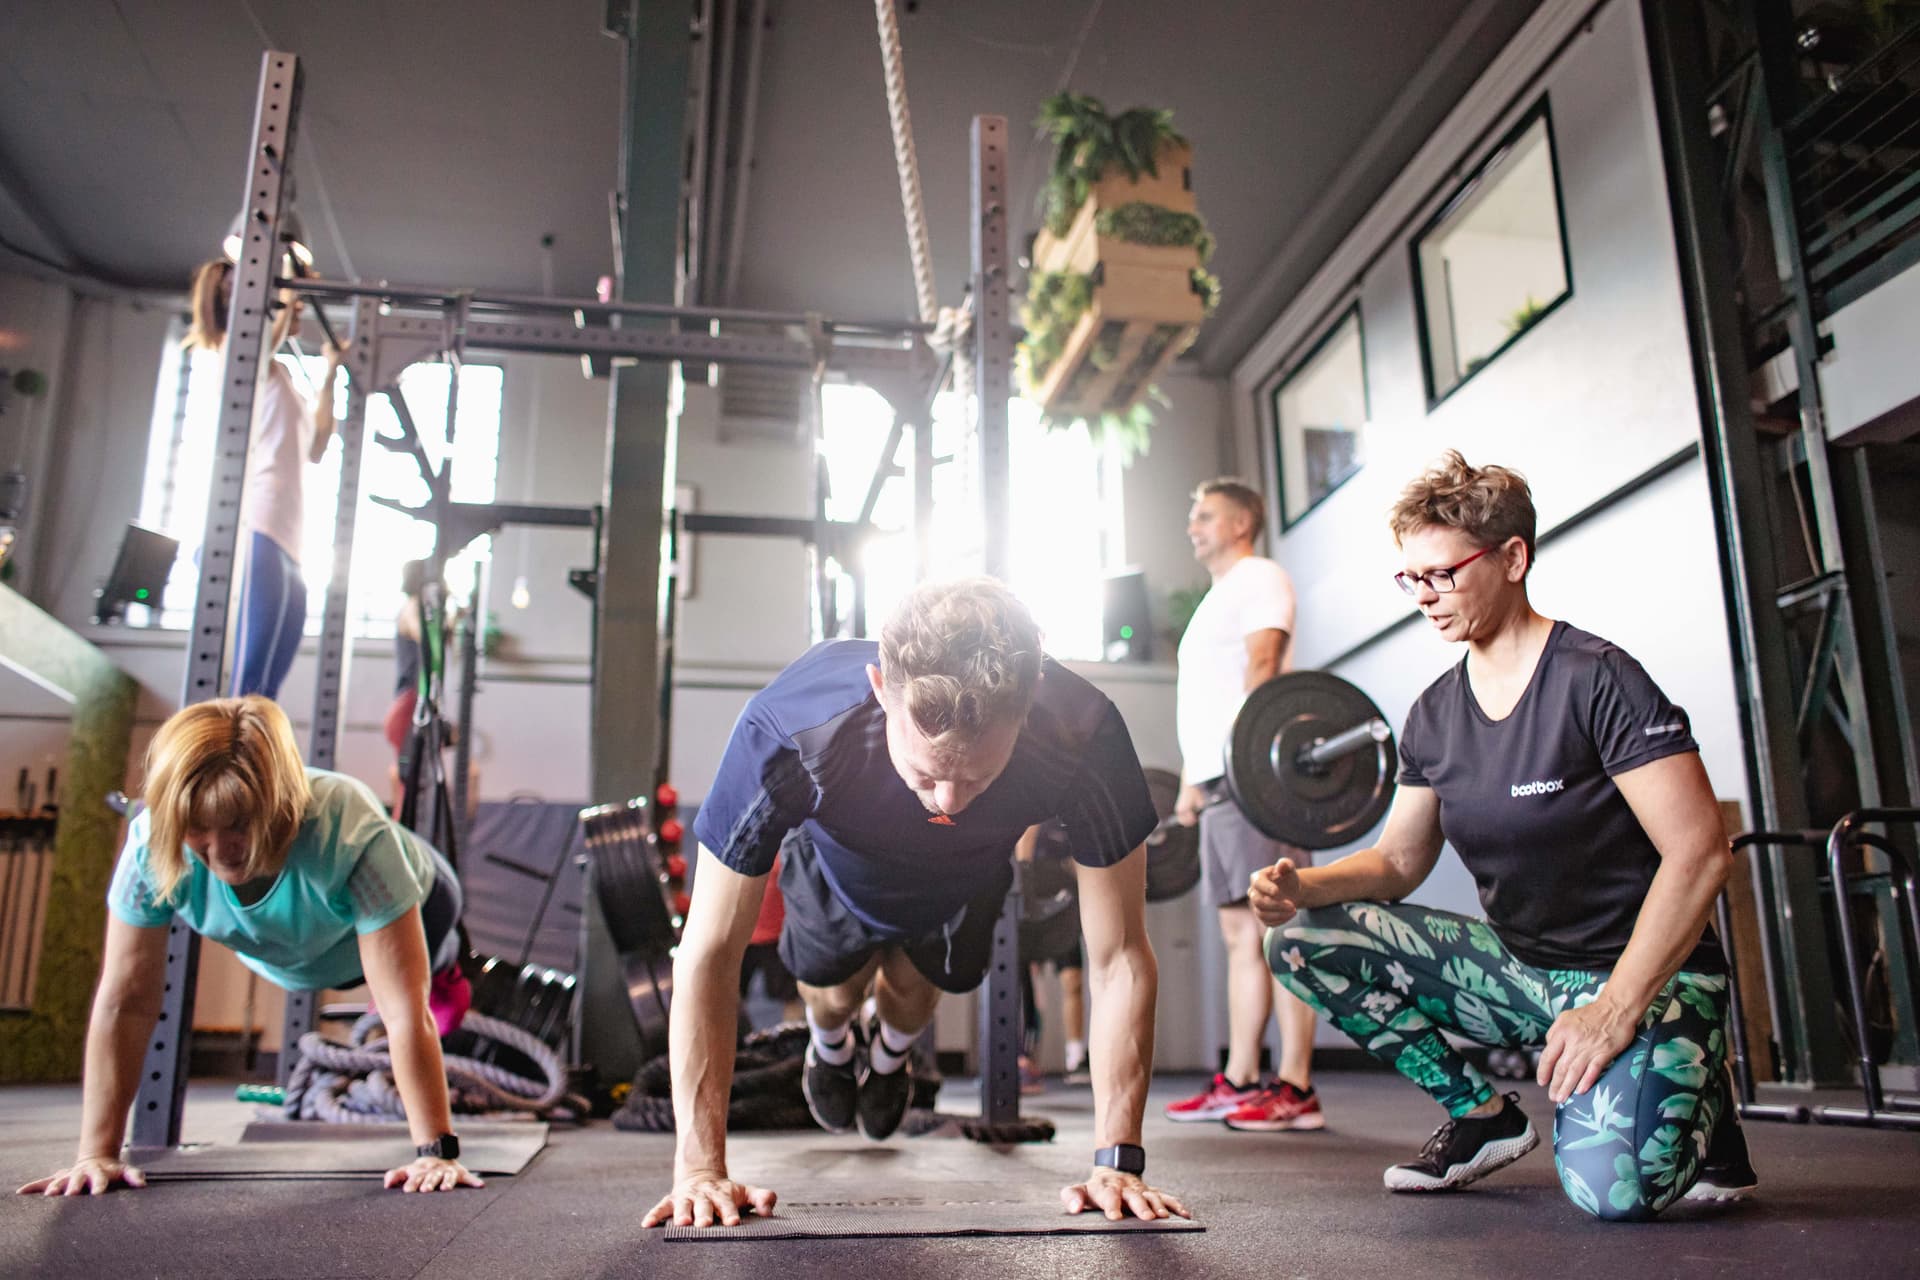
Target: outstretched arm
132, 977
398, 972
701, 1040
1125, 980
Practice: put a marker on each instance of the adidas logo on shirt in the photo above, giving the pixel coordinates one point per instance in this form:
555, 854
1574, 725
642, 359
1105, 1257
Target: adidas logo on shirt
1544, 787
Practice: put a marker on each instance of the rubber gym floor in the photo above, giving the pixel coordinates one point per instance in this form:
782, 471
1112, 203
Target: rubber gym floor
1834, 1202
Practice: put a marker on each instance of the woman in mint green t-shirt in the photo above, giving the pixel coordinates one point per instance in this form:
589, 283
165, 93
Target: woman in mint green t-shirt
304, 876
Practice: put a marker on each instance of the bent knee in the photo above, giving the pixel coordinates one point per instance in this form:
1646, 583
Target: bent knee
1285, 944
1618, 1198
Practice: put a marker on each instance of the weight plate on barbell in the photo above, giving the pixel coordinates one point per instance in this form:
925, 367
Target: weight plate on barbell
1173, 850
1312, 807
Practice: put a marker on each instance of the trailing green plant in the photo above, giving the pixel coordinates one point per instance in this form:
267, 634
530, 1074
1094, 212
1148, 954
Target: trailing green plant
1207, 285
1055, 302
1087, 142
1125, 433
1139, 222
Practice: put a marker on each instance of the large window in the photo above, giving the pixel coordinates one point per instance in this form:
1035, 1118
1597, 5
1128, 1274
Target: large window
1065, 502
1493, 262
1320, 419
180, 470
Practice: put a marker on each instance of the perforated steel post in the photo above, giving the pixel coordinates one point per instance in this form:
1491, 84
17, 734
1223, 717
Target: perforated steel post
1001, 1021
163, 1073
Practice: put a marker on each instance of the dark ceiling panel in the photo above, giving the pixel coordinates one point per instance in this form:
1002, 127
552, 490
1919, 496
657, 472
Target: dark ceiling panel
442, 140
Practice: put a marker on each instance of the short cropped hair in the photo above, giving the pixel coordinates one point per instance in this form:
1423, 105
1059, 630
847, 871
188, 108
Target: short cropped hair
1489, 504
227, 762
961, 657
1242, 495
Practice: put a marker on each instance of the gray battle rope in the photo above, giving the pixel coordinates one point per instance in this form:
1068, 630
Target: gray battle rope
352, 1083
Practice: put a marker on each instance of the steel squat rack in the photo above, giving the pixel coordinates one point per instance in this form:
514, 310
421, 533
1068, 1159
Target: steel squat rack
397, 325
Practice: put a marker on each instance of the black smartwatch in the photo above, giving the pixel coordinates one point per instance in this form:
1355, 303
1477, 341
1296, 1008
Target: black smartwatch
444, 1147
1123, 1156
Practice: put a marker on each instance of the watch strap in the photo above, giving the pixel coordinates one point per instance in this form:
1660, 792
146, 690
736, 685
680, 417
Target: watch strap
1123, 1156
444, 1147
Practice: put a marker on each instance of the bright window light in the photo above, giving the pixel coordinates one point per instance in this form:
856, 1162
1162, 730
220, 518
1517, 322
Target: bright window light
180, 466
1065, 512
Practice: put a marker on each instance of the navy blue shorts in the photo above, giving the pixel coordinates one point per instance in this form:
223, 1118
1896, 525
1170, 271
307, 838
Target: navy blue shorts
823, 943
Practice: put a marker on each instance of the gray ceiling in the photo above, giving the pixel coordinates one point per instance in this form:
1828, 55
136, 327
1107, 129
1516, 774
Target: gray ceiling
440, 139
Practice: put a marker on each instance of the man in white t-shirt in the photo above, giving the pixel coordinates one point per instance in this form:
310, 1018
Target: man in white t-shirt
1240, 636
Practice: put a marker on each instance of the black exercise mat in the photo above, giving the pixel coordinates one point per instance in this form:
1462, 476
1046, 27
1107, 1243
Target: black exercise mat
301, 1151
910, 1216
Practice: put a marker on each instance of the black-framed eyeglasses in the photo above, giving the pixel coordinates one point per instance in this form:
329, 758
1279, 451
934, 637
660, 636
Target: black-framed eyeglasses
1439, 581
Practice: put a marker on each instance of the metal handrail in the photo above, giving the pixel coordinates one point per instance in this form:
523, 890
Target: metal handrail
1736, 1005
1845, 835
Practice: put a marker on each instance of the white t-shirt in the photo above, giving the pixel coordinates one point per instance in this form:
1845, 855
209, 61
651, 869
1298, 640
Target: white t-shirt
1254, 595
272, 502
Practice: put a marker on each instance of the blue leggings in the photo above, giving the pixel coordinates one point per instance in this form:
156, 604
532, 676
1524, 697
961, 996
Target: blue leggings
273, 615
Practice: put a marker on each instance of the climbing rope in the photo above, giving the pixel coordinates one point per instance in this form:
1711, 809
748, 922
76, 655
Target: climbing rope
352, 1083
906, 161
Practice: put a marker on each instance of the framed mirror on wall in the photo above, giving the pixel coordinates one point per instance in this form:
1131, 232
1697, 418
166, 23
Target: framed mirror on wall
1493, 262
1319, 412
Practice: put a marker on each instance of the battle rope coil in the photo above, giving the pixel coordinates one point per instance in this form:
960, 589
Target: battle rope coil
352, 1083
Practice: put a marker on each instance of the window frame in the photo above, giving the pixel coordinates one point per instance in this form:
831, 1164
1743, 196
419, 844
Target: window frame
1540, 111
1279, 385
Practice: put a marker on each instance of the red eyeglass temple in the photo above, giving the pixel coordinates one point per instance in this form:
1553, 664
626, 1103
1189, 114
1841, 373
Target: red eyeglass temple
1407, 579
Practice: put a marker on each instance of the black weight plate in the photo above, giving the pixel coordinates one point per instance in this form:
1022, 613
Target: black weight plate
1311, 808
1173, 851
629, 878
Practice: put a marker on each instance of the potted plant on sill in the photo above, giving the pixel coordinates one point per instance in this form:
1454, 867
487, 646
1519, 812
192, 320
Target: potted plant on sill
1118, 285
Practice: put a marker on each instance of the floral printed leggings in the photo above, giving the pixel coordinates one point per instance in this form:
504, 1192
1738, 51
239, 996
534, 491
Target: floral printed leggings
1392, 976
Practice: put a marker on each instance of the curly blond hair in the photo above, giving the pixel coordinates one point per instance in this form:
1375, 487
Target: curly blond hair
1489, 504
227, 762
960, 657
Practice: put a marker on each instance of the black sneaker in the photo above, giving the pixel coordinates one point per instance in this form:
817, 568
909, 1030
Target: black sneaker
1727, 1172
1467, 1150
884, 1099
832, 1091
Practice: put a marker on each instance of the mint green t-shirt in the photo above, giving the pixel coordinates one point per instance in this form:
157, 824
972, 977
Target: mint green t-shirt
350, 870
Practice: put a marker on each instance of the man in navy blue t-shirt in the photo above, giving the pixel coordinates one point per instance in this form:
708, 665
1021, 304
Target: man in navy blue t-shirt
893, 779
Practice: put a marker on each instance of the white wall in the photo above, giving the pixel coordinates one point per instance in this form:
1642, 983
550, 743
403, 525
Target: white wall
1591, 398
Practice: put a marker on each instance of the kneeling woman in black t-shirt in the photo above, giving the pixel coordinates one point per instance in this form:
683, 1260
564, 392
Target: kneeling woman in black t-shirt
1573, 791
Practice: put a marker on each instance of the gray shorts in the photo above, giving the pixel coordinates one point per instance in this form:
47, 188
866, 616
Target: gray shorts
1232, 849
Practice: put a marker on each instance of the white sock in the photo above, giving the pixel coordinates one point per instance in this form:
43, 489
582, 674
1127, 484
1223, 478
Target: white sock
890, 1048
832, 1045
1076, 1055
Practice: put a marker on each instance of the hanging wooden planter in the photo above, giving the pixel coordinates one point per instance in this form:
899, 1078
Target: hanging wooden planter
1145, 307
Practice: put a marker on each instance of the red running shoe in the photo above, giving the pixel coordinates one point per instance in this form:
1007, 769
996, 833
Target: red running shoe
1215, 1102
1278, 1107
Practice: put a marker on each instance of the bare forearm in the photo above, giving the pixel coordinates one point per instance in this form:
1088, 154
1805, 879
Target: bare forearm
116, 1042
1365, 874
706, 1008
1121, 1049
421, 1074
1668, 928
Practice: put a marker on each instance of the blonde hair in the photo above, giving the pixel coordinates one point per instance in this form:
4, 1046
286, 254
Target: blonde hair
1242, 495
1489, 504
961, 657
212, 298
227, 762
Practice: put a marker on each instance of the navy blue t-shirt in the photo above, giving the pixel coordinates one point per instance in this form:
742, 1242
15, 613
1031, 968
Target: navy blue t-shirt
810, 750
1529, 802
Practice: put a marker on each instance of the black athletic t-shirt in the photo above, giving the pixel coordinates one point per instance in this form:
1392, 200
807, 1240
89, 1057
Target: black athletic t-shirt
1529, 802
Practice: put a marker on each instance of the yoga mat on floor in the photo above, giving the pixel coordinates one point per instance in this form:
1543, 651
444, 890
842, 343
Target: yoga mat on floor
907, 1216
270, 1149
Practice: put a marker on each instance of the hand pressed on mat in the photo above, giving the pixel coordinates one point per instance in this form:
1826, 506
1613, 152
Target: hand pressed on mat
90, 1175
698, 1199
1120, 1195
430, 1173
